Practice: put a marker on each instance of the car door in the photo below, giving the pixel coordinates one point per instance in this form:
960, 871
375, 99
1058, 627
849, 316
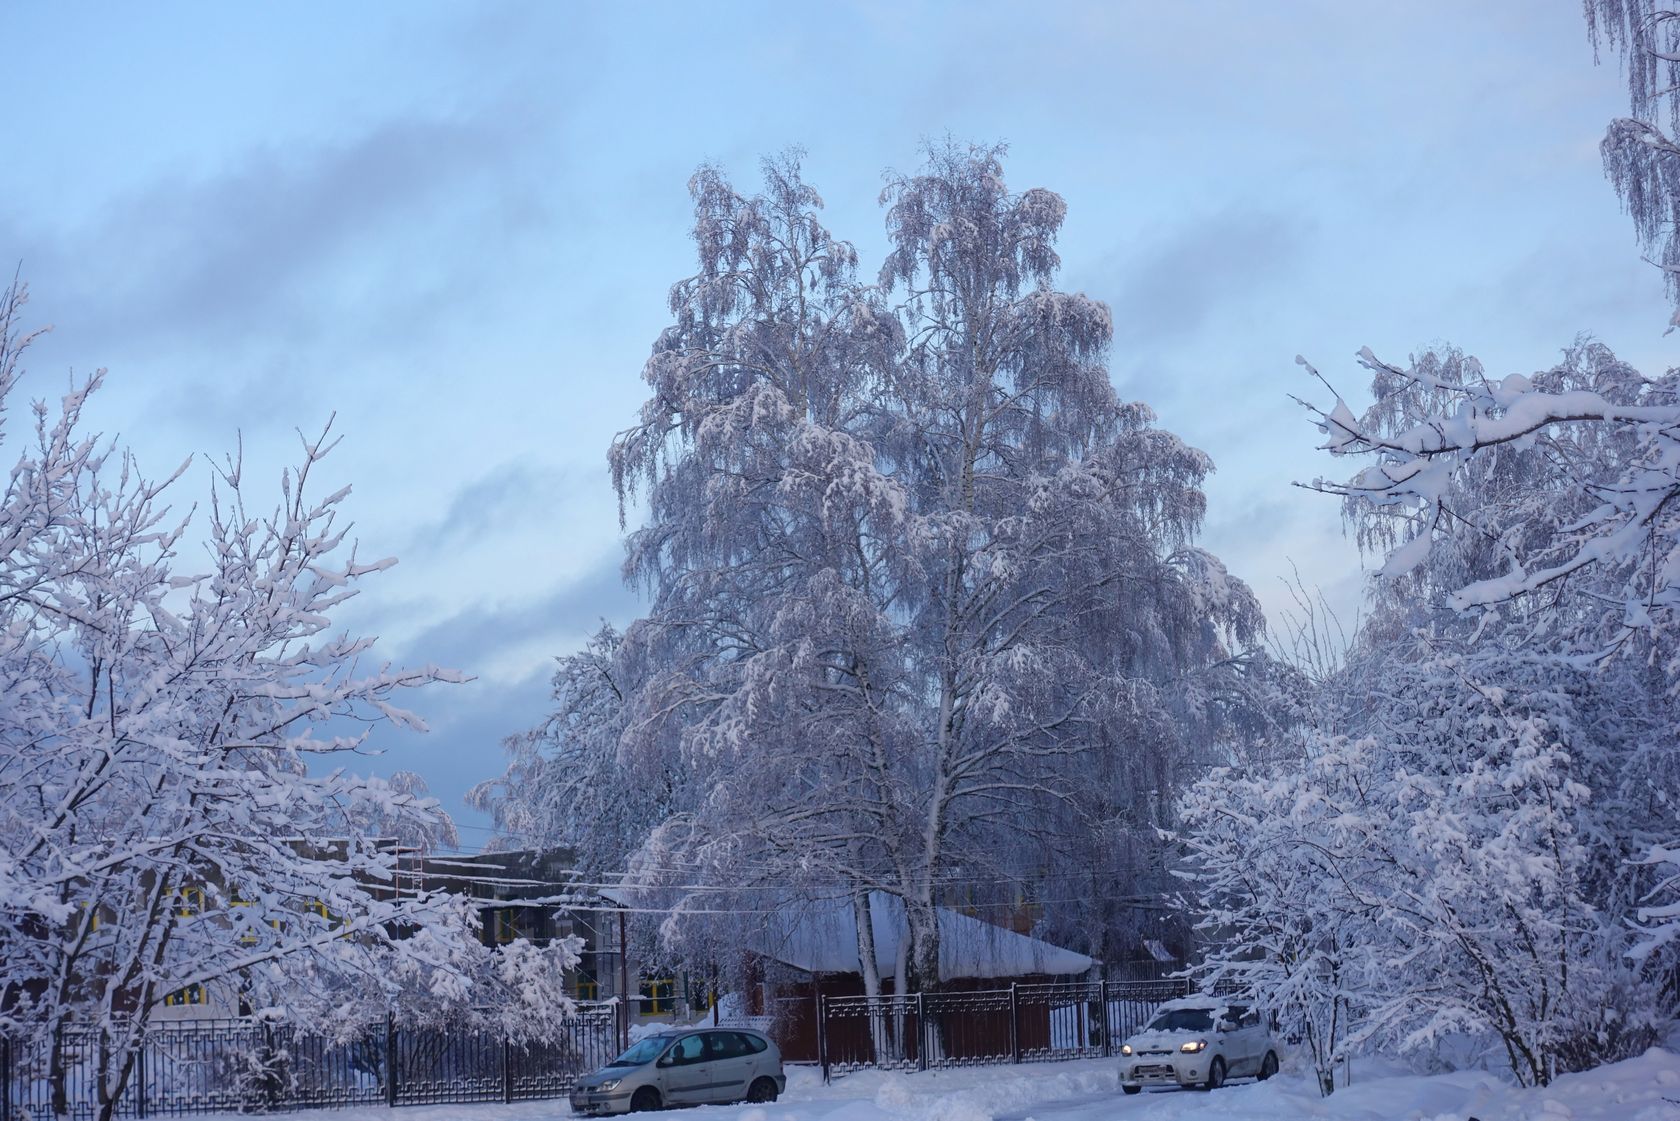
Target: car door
1259, 1039
684, 1072
1240, 1054
731, 1063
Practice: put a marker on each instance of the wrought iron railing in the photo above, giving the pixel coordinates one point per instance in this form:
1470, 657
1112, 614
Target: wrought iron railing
1023, 1023
212, 1066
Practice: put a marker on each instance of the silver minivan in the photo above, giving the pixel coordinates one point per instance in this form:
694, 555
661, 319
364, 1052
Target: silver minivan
690, 1066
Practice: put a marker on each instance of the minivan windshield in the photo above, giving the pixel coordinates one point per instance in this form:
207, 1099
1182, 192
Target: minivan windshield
1184, 1019
646, 1051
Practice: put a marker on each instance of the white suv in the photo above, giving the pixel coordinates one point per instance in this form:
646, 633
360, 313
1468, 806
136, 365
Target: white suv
1197, 1041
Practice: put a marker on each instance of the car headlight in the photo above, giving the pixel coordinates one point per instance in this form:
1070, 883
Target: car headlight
1125, 1048
610, 1084
1194, 1046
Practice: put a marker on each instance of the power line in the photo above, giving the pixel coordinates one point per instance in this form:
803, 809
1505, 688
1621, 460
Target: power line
671, 864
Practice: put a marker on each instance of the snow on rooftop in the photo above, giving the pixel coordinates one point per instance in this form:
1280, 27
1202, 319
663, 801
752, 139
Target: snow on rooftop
820, 936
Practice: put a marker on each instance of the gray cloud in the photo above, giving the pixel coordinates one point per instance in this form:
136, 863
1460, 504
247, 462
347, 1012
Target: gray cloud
468, 724
204, 251
507, 494
1184, 279
471, 637
376, 240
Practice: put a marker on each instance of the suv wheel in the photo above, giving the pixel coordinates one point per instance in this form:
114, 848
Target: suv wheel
1216, 1075
1268, 1066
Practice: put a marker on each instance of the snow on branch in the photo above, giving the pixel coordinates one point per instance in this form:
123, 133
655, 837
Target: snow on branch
1574, 470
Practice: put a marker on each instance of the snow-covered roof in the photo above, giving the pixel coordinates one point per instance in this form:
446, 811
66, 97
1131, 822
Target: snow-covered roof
821, 937
1158, 951
1198, 1001
619, 897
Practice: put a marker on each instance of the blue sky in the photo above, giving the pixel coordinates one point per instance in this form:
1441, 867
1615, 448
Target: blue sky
454, 225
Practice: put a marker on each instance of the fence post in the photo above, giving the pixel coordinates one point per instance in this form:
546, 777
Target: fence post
1107, 1029
507, 1072
270, 1081
822, 1036
391, 1059
140, 1081
1015, 1021
5, 1078
921, 1035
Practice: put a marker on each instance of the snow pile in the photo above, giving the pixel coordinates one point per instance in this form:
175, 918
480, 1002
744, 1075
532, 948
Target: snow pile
976, 1093
1646, 1088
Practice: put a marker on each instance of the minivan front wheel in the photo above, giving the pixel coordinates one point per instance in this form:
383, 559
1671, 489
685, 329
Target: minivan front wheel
644, 1099
762, 1090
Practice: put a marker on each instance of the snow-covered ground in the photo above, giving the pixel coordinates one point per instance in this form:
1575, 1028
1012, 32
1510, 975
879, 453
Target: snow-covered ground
1643, 1089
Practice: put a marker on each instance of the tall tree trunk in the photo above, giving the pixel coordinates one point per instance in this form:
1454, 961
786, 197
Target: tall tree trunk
870, 968
923, 922
901, 988
117, 1070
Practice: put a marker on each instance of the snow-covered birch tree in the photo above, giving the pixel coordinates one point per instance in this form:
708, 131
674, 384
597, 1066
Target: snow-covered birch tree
176, 818
1059, 593
1641, 153
915, 567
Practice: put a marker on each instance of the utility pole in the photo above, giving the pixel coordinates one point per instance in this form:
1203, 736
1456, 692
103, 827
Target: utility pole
623, 981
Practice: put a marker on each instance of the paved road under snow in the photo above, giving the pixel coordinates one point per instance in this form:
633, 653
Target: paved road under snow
1635, 1090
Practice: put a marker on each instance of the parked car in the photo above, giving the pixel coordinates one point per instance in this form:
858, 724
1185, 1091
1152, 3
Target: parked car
690, 1066
1198, 1041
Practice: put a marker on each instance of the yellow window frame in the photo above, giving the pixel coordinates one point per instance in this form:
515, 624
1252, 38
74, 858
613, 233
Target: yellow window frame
659, 995
190, 995
189, 901
249, 938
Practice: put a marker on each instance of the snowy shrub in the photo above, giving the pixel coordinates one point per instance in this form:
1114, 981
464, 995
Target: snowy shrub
1427, 880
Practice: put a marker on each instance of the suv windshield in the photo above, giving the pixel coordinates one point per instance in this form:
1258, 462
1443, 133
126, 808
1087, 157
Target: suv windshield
1184, 1019
646, 1051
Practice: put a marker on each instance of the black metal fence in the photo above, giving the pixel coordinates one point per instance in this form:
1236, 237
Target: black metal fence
1023, 1023
212, 1066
